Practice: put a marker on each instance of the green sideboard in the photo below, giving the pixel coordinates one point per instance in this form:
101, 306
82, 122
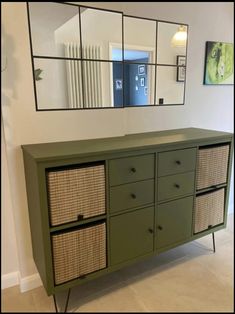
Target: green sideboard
98, 205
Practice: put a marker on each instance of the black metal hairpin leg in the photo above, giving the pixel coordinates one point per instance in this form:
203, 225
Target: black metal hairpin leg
213, 237
66, 305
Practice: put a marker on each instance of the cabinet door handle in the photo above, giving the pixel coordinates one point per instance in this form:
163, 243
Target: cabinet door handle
159, 227
177, 185
178, 162
80, 217
133, 169
150, 230
133, 195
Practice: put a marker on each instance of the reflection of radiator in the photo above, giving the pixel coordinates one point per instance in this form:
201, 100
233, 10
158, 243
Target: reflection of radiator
92, 86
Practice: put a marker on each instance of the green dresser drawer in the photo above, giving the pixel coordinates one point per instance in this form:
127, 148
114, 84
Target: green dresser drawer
131, 235
131, 195
177, 161
175, 186
174, 221
131, 169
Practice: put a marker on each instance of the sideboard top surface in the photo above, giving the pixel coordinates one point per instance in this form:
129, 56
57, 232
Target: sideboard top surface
57, 150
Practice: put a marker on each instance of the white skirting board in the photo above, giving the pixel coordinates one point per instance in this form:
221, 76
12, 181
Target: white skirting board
34, 281
30, 282
26, 283
10, 279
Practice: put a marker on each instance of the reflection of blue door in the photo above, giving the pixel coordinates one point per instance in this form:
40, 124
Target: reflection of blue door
136, 83
137, 93
117, 84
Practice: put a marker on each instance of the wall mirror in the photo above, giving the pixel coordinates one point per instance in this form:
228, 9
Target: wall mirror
89, 58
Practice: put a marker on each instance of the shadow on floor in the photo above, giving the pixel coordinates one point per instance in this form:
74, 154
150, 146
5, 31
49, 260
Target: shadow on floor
109, 283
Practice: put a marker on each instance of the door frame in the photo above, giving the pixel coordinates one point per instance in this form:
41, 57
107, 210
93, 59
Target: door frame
131, 47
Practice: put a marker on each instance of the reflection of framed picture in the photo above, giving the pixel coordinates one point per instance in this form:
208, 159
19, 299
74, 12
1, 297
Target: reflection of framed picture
181, 60
146, 91
181, 70
142, 81
141, 69
180, 74
219, 60
118, 84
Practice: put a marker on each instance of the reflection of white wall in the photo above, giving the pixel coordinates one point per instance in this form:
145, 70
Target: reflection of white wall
52, 89
46, 21
68, 32
140, 32
167, 86
101, 28
166, 54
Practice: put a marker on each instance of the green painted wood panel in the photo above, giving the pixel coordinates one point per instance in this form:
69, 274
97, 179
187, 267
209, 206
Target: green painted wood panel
36, 218
131, 235
174, 221
131, 169
148, 140
131, 195
175, 186
176, 161
38, 157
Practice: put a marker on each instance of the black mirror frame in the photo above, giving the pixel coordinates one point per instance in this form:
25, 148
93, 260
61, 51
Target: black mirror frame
155, 64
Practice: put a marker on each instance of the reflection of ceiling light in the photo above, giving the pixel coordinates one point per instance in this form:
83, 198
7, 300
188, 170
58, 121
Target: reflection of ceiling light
179, 39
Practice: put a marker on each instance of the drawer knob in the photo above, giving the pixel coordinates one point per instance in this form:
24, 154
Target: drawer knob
80, 217
178, 162
159, 227
150, 230
177, 185
133, 169
133, 195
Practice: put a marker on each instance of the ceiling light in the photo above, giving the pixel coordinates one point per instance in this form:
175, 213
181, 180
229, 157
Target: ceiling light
179, 39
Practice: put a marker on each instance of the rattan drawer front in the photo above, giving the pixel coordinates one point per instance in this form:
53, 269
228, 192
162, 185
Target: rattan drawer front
176, 161
79, 252
177, 185
74, 193
131, 169
209, 210
212, 165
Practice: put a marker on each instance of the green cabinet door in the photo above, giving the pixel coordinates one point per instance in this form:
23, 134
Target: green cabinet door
174, 222
131, 235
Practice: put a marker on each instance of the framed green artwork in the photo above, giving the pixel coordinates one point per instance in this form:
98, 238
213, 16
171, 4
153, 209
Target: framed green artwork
219, 64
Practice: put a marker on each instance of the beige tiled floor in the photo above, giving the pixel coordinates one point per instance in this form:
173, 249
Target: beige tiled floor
190, 278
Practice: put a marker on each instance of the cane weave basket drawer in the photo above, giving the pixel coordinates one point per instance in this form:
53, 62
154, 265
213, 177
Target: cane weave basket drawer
79, 252
209, 210
76, 193
212, 165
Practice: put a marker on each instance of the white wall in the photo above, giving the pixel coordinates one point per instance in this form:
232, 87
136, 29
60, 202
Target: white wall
205, 107
9, 256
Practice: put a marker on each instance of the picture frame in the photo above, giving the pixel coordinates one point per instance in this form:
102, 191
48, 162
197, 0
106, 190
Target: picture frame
181, 70
219, 63
181, 60
118, 84
142, 81
141, 69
